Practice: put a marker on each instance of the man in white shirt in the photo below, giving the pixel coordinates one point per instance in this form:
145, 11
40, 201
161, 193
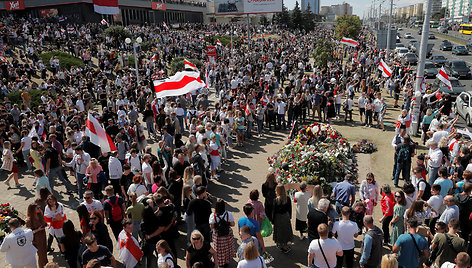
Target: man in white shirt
280, 106
361, 102
18, 246
147, 172
92, 204
115, 171
436, 200
80, 162
346, 230
440, 133
434, 158
324, 247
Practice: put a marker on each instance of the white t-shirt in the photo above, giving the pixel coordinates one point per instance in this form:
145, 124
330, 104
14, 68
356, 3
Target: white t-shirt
436, 202
361, 102
301, 199
135, 164
27, 141
256, 263
448, 265
227, 216
167, 258
139, 189
330, 247
281, 108
147, 169
439, 134
94, 206
421, 185
346, 231
80, 105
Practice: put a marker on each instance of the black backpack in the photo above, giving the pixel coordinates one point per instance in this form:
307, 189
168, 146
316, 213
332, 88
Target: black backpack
222, 226
427, 190
403, 154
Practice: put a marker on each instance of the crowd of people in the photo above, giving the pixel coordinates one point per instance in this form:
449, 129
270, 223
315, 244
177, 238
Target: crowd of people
142, 194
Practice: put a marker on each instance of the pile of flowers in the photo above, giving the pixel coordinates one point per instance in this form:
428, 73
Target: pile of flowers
318, 154
364, 147
6, 213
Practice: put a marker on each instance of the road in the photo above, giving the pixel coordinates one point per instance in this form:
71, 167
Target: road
448, 54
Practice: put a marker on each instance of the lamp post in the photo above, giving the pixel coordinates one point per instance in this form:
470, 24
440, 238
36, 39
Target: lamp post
138, 41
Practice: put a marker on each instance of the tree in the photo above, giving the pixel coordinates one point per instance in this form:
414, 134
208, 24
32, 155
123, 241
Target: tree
282, 18
117, 34
297, 18
308, 19
263, 20
177, 64
323, 52
348, 26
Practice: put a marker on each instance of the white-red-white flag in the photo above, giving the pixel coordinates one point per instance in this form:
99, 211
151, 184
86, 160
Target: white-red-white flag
107, 7
442, 75
180, 83
165, 26
349, 42
386, 71
153, 59
3, 59
218, 42
189, 65
104, 22
97, 135
70, 30
130, 253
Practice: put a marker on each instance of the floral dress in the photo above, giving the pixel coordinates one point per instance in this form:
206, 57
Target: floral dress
398, 228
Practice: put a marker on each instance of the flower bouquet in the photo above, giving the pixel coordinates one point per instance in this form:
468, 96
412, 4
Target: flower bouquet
6, 213
318, 154
364, 147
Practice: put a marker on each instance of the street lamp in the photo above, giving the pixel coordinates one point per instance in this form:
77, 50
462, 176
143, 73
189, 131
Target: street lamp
138, 41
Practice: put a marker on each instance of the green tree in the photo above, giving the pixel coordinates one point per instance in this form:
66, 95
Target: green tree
348, 26
323, 52
263, 20
308, 18
297, 17
118, 34
282, 18
177, 64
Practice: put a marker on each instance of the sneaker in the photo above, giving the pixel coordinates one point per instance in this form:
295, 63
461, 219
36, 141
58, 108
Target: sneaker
28, 171
302, 237
70, 192
7, 183
18, 185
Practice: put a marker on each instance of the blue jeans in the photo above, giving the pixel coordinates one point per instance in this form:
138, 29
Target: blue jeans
150, 127
190, 225
80, 184
58, 172
181, 123
259, 126
137, 229
25, 157
433, 174
249, 128
404, 168
281, 121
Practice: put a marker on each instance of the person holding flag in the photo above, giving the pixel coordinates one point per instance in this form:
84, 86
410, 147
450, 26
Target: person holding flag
128, 246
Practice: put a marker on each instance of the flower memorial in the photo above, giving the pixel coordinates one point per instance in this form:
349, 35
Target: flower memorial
318, 154
364, 147
6, 213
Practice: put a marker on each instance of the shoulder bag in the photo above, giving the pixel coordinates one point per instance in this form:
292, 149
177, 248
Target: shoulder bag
324, 256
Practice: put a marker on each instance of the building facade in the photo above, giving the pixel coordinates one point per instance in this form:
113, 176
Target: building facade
314, 5
131, 11
333, 11
407, 12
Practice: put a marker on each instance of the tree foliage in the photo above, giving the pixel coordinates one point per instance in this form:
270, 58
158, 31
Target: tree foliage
177, 64
348, 26
323, 52
308, 18
66, 60
297, 17
118, 34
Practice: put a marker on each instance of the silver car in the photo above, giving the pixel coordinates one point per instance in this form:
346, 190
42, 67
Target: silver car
463, 106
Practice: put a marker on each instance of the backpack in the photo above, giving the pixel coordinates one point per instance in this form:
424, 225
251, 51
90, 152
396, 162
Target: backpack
175, 263
222, 226
404, 154
427, 190
116, 214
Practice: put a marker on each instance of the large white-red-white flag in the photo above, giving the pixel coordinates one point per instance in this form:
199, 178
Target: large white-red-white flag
442, 75
97, 135
130, 253
386, 71
107, 7
189, 65
349, 42
180, 83
218, 42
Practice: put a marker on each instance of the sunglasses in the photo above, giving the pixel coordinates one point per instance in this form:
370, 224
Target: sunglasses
93, 218
398, 196
196, 238
88, 197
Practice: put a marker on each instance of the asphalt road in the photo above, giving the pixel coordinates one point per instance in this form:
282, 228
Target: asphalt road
448, 54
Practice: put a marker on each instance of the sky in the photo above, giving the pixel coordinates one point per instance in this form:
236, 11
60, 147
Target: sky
359, 6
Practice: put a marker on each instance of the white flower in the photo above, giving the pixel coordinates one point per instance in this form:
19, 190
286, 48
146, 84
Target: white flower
271, 169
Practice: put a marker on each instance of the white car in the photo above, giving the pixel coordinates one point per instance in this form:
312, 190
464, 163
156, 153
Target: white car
399, 45
408, 36
400, 29
463, 106
401, 52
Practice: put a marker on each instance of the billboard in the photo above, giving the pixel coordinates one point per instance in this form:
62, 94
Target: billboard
158, 6
238, 7
211, 53
14, 5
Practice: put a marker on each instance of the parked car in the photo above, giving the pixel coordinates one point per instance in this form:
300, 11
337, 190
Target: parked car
399, 45
408, 36
442, 29
420, 31
410, 58
457, 68
430, 69
400, 29
460, 50
431, 36
445, 45
469, 46
412, 43
438, 60
401, 52
457, 87
463, 107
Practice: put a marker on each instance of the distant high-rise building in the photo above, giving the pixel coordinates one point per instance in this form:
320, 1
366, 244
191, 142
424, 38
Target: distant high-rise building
314, 5
333, 11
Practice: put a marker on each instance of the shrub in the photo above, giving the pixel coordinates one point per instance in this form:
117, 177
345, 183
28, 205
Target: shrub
177, 64
65, 60
35, 94
225, 40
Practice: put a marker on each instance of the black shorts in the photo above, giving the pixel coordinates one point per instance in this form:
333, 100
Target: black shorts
361, 111
300, 225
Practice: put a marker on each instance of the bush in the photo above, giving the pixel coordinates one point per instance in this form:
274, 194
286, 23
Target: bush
35, 94
177, 64
225, 40
65, 60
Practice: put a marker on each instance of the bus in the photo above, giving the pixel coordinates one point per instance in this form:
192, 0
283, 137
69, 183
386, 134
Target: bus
434, 24
465, 29
418, 23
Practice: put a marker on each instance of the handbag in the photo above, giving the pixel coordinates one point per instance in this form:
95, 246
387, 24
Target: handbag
324, 256
416, 246
101, 177
266, 227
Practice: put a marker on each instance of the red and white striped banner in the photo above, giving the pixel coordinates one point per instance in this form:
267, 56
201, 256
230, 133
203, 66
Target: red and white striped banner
107, 7
386, 71
97, 135
349, 42
104, 22
218, 42
180, 83
442, 75
189, 65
